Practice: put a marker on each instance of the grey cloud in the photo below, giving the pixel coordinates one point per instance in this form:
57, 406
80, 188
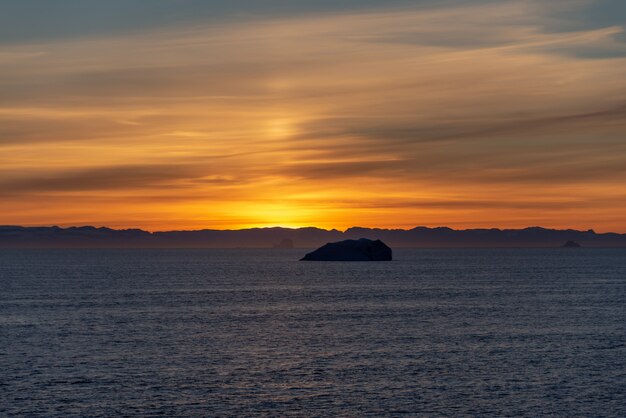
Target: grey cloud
125, 177
466, 165
537, 204
138, 84
337, 170
33, 129
28, 20
403, 131
604, 170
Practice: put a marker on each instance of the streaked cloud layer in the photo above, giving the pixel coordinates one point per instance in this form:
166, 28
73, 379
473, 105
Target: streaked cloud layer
387, 114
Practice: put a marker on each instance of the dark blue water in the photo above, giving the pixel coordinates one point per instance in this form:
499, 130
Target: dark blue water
253, 332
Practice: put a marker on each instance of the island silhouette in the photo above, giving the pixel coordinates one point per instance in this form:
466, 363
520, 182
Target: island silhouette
351, 250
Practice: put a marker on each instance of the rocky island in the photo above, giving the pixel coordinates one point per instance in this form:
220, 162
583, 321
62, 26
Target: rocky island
351, 250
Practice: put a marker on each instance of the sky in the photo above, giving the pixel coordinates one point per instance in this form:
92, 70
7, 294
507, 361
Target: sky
195, 114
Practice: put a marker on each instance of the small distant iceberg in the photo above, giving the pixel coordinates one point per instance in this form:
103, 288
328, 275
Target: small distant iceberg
351, 250
571, 244
284, 244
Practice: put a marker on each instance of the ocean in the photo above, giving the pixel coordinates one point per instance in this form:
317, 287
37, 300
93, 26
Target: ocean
475, 332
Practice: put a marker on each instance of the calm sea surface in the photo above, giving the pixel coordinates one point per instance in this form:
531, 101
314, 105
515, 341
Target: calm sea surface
255, 332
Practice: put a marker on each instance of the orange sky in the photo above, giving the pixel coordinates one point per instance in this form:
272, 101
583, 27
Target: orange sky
465, 116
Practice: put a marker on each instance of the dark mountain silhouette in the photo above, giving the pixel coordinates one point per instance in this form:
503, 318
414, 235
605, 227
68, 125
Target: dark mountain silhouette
91, 237
351, 250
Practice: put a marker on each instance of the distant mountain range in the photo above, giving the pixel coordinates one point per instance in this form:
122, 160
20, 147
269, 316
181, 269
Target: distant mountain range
419, 237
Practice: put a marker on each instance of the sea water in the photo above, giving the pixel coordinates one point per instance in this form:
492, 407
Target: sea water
504, 332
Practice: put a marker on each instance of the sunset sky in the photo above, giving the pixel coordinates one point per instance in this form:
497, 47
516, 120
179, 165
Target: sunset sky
194, 114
